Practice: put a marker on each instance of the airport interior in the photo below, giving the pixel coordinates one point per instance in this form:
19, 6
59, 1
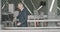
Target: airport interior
44, 14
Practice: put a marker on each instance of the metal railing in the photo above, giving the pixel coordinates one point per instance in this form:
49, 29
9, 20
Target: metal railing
11, 24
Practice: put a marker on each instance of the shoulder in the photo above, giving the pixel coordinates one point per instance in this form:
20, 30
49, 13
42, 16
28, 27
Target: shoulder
25, 9
16, 13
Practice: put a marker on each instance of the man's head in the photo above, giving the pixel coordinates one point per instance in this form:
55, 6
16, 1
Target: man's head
20, 6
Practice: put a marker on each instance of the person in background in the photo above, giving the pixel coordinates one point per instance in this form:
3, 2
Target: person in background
22, 15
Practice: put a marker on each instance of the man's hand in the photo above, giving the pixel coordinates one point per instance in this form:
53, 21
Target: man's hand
18, 24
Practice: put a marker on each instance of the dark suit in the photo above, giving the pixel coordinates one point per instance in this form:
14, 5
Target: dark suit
23, 17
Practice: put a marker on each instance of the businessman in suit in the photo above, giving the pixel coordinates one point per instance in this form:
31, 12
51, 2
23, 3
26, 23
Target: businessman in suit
23, 14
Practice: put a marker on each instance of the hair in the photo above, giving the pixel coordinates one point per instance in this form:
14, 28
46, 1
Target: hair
20, 3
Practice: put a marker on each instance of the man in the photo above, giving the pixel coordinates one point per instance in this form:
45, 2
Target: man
23, 14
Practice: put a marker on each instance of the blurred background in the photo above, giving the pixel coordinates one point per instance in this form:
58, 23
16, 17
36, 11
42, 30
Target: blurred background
45, 13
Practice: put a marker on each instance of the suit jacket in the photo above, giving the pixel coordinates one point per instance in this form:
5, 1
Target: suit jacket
23, 17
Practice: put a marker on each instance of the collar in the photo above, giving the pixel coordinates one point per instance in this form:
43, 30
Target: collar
22, 9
